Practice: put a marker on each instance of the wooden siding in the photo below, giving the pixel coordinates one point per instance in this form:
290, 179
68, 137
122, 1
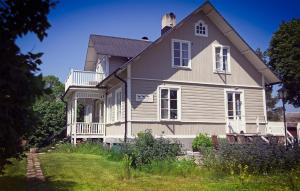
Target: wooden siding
116, 129
178, 129
156, 62
200, 104
254, 105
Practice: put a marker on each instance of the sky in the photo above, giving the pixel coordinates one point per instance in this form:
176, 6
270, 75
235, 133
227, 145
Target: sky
74, 20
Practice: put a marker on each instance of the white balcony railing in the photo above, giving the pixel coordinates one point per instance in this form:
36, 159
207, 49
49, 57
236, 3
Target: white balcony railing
83, 78
83, 128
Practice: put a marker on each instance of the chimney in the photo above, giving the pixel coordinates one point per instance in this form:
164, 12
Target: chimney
168, 21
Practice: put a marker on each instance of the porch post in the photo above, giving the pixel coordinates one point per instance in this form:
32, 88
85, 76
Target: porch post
75, 118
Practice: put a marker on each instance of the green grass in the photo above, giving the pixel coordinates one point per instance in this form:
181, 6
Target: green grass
14, 177
87, 172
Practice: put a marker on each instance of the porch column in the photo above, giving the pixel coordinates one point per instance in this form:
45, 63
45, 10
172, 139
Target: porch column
75, 118
68, 118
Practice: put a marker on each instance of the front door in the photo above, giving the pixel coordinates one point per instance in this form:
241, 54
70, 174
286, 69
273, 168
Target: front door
234, 114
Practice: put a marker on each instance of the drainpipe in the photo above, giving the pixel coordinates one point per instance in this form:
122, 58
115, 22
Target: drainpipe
125, 83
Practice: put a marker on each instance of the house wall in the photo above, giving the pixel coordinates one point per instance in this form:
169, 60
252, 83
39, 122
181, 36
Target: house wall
202, 109
156, 62
115, 62
202, 90
115, 128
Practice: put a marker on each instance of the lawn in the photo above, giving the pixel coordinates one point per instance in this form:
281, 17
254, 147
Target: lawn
14, 177
86, 172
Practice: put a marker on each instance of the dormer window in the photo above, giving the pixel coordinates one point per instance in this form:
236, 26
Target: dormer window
201, 29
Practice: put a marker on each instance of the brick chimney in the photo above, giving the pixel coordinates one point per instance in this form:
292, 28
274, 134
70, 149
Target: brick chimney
168, 21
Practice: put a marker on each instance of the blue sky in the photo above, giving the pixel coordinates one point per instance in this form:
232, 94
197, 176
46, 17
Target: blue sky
74, 20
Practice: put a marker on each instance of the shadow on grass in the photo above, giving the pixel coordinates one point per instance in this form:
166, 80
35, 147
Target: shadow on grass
21, 183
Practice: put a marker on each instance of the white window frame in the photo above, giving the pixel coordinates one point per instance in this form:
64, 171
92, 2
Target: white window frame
203, 24
103, 60
243, 111
189, 66
178, 88
119, 90
228, 71
109, 116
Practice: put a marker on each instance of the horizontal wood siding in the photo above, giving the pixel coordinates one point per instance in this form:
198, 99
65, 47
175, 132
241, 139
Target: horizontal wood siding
202, 103
254, 106
116, 129
179, 129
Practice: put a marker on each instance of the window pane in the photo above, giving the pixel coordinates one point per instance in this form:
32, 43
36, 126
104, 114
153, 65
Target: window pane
164, 93
225, 52
173, 104
164, 103
218, 58
230, 105
229, 95
177, 53
185, 54
185, 46
177, 61
173, 94
185, 62
176, 45
230, 114
238, 104
164, 113
173, 114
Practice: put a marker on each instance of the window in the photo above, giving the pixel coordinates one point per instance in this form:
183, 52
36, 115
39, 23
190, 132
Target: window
169, 107
118, 101
222, 57
181, 53
201, 29
109, 108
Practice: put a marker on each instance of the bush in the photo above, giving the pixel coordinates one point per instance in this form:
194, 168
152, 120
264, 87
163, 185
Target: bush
147, 149
258, 157
201, 142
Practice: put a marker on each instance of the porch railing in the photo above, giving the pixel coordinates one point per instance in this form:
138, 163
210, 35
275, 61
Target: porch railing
83, 78
83, 128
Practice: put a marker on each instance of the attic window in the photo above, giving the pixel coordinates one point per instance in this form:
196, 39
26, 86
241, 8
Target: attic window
201, 29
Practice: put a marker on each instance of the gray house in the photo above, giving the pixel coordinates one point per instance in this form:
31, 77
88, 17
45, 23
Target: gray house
199, 76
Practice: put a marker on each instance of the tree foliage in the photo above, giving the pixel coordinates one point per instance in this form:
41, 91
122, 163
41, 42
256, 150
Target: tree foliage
284, 53
19, 82
50, 112
273, 112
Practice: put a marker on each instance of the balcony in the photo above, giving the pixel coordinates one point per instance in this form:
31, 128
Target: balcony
83, 78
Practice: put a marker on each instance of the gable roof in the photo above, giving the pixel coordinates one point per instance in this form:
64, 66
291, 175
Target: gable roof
211, 12
116, 46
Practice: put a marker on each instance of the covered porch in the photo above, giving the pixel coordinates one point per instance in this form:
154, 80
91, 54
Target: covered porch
85, 114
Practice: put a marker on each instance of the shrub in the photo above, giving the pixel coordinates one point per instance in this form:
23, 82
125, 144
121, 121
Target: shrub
147, 149
258, 157
201, 142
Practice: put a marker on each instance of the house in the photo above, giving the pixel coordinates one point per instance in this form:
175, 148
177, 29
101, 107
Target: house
199, 76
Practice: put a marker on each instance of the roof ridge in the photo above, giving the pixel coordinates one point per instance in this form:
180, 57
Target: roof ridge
125, 38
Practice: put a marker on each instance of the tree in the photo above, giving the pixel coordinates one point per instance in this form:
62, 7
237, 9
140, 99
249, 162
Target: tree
50, 111
284, 53
19, 83
273, 112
